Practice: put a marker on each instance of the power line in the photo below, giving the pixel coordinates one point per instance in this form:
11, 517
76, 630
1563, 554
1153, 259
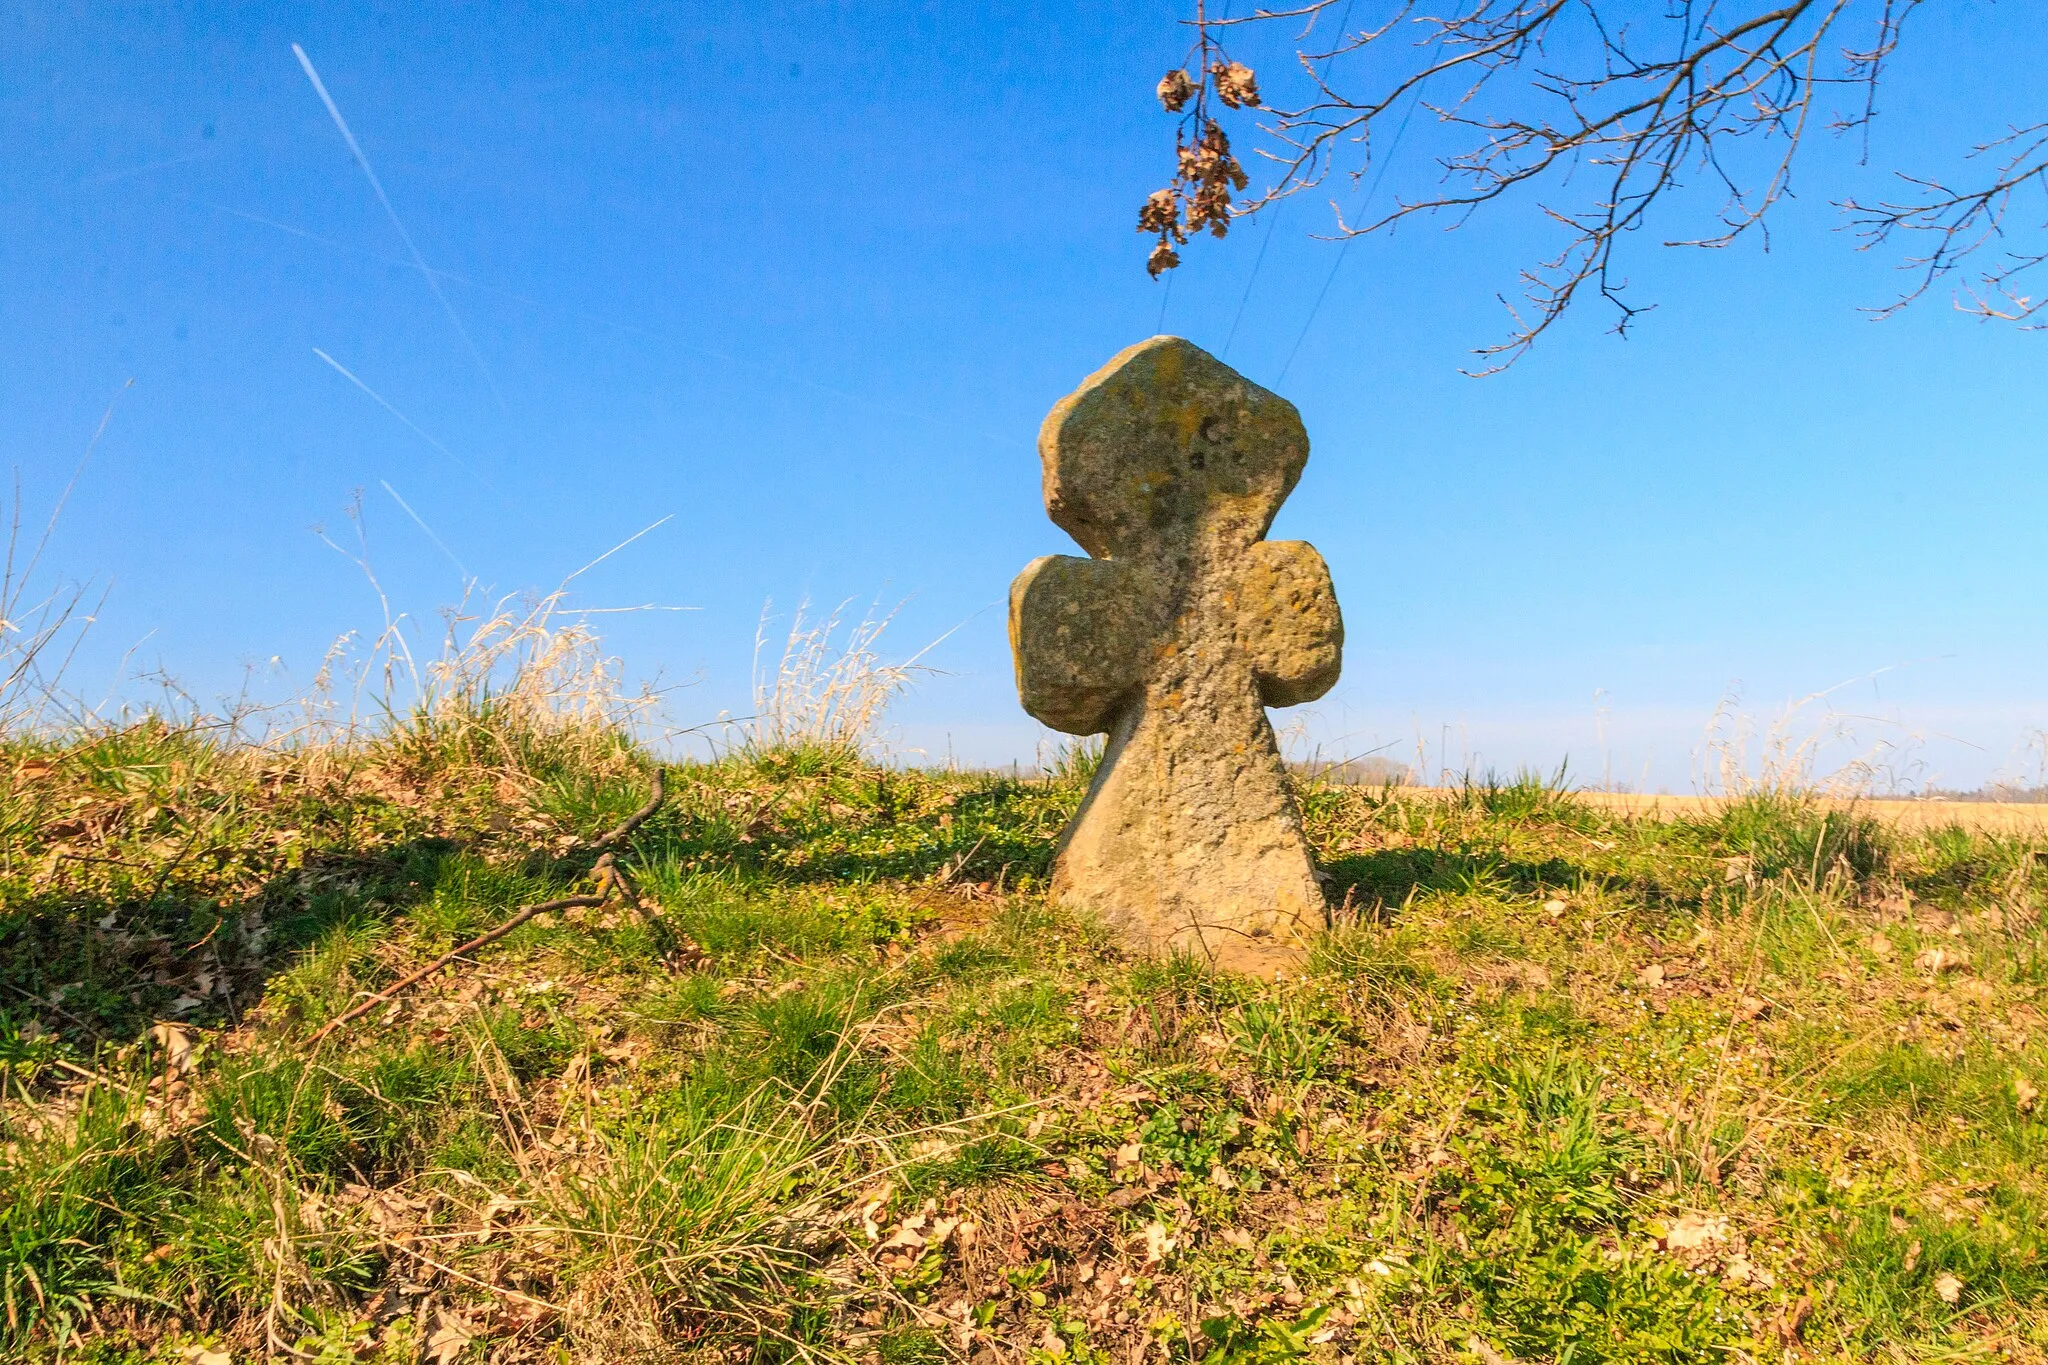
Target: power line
1257, 261
1343, 23
1338, 264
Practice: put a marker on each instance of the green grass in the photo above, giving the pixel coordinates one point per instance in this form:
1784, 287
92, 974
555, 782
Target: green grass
1558, 1086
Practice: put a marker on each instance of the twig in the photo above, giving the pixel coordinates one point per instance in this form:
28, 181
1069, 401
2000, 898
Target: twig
43, 1003
609, 879
186, 952
959, 863
612, 838
612, 877
483, 940
1558, 94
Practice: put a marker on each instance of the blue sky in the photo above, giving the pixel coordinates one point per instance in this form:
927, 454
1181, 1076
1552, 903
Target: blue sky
806, 278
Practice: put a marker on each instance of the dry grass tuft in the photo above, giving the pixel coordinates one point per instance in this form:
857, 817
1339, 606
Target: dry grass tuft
831, 685
519, 684
1808, 752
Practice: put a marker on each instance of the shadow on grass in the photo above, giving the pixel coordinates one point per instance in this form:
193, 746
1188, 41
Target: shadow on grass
869, 830
1388, 877
103, 967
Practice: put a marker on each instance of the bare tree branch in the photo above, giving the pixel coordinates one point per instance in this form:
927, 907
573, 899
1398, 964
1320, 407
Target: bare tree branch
1592, 107
1957, 223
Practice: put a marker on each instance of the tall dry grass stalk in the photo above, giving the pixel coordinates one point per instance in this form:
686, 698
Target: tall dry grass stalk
828, 690
521, 664
513, 677
41, 628
42, 622
1808, 750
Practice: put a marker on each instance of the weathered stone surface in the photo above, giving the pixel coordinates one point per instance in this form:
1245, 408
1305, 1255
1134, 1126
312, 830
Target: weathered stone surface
1183, 626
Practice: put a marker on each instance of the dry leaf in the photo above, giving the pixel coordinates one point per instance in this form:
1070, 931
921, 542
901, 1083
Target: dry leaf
1751, 1007
450, 1335
1912, 1261
1175, 89
1939, 960
1793, 1321
1692, 1232
1157, 1243
1980, 993
498, 1206
876, 1198
176, 1040
1950, 1288
1478, 1346
1880, 946
1651, 976
205, 1355
1129, 1154
906, 1234
1235, 85
1160, 213
1744, 1273
2025, 1094
1554, 908
388, 1210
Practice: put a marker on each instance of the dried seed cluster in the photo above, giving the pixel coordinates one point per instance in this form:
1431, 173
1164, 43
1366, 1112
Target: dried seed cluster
1206, 172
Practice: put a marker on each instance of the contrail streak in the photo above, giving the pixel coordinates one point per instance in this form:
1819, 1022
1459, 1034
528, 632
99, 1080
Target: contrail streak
466, 575
790, 374
419, 261
410, 425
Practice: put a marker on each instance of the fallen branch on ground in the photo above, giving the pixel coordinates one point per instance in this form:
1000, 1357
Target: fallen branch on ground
483, 940
612, 838
610, 879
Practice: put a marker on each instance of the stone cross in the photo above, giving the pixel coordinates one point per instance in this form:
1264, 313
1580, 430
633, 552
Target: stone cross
1173, 638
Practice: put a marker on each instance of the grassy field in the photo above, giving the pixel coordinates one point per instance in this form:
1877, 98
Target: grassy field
822, 1073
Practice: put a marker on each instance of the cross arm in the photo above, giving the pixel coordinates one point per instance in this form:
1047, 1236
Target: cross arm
1292, 628
1078, 639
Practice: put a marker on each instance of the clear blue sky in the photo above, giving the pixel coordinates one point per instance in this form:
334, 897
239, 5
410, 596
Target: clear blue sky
807, 277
